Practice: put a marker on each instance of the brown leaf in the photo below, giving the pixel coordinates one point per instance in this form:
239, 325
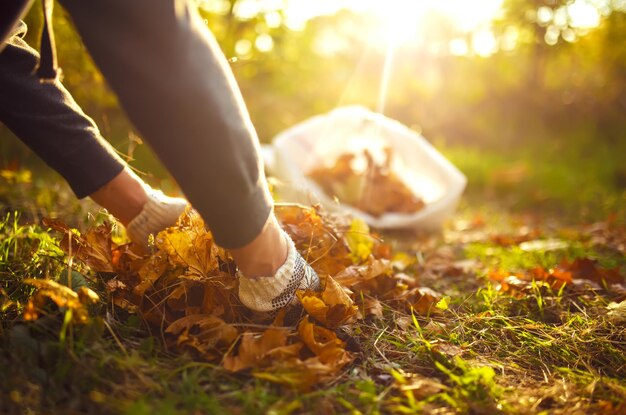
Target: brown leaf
372, 307
297, 374
375, 189
151, 271
589, 269
418, 385
206, 335
422, 300
356, 274
255, 350
332, 307
324, 344
93, 248
187, 294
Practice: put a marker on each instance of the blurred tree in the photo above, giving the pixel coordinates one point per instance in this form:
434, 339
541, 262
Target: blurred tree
548, 79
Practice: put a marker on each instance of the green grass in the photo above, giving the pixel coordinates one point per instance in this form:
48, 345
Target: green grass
533, 351
577, 179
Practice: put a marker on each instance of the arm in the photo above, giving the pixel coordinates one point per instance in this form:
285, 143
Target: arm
47, 119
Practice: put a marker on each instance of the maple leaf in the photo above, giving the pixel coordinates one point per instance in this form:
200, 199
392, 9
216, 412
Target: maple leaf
317, 239
329, 358
94, 248
255, 349
64, 297
324, 344
356, 274
196, 253
206, 335
332, 307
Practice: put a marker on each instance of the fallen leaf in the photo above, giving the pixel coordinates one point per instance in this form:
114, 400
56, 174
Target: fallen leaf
374, 188
422, 300
590, 269
332, 307
359, 273
64, 297
206, 335
94, 248
372, 307
359, 241
324, 344
256, 348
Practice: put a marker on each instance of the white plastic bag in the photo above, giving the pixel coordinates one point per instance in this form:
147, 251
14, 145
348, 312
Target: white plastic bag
318, 142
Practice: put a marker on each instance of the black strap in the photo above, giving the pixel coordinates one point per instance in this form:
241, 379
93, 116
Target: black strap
47, 70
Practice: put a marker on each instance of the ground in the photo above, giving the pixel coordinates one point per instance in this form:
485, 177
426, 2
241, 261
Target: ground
516, 308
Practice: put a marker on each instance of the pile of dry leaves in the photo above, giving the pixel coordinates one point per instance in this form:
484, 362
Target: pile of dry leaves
186, 290
367, 184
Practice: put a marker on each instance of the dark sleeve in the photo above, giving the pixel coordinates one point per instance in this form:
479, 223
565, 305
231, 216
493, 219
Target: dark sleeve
48, 120
178, 90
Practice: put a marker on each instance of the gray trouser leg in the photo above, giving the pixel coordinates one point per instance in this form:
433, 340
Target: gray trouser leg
178, 90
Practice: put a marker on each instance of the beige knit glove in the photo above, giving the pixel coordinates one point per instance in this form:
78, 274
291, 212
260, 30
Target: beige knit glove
269, 294
158, 213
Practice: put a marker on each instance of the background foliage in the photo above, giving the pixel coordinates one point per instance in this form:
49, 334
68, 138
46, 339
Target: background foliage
544, 118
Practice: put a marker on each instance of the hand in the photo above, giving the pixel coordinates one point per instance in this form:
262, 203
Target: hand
271, 293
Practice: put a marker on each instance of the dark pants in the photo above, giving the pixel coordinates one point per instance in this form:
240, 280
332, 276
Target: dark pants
179, 92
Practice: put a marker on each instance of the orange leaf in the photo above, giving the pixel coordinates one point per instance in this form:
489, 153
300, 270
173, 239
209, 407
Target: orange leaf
422, 300
62, 296
332, 307
324, 344
589, 269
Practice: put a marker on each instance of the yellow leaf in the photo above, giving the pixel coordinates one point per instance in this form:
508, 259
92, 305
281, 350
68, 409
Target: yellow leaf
332, 307
150, 272
190, 245
62, 296
359, 240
